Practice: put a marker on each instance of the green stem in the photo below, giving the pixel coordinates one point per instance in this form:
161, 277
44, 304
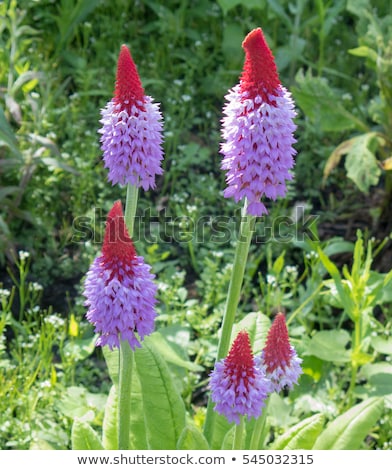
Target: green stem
237, 277
126, 353
233, 297
259, 428
354, 364
130, 208
239, 435
124, 398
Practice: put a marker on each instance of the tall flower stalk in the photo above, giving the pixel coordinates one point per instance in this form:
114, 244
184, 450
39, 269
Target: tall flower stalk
257, 148
131, 141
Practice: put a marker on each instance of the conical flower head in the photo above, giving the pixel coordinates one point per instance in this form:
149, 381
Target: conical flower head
257, 130
119, 288
279, 357
238, 385
131, 138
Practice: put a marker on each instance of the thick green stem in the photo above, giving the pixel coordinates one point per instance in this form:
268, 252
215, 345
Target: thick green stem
126, 353
233, 297
259, 429
124, 397
130, 208
239, 435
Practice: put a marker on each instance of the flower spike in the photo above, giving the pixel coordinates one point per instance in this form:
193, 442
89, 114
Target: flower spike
257, 130
238, 385
279, 357
129, 90
119, 288
131, 138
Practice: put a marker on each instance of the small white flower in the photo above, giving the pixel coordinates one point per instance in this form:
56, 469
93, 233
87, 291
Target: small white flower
271, 280
186, 98
36, 287
292, 270
23, 255
4, 293
45, 384
162, 286
311, 255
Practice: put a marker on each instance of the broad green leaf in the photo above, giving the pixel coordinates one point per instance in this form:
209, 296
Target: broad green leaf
382, 345
330, 346
138, 431
138, 438
313, 367
377, 368
279, 411
78, 402
110, 421
84, 437
79, 349
227, 442
322, 105
301, 436
381, 383
364, 51
164, 409
192, 438
361, 163
348, 430
112, 359
257, 325
170, 355
379, 376
221, 427
336, 246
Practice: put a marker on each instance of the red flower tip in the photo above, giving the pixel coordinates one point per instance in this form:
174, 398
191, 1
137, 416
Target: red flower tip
117, 244
129, 88
240, 357
259, 76
277, 350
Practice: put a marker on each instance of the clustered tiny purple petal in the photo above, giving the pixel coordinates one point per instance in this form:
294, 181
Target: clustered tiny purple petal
257, 130
258, 152
279, 357
239, 388
131, 138
121, 302
233, 399
132, 142
284, 374
119, 288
